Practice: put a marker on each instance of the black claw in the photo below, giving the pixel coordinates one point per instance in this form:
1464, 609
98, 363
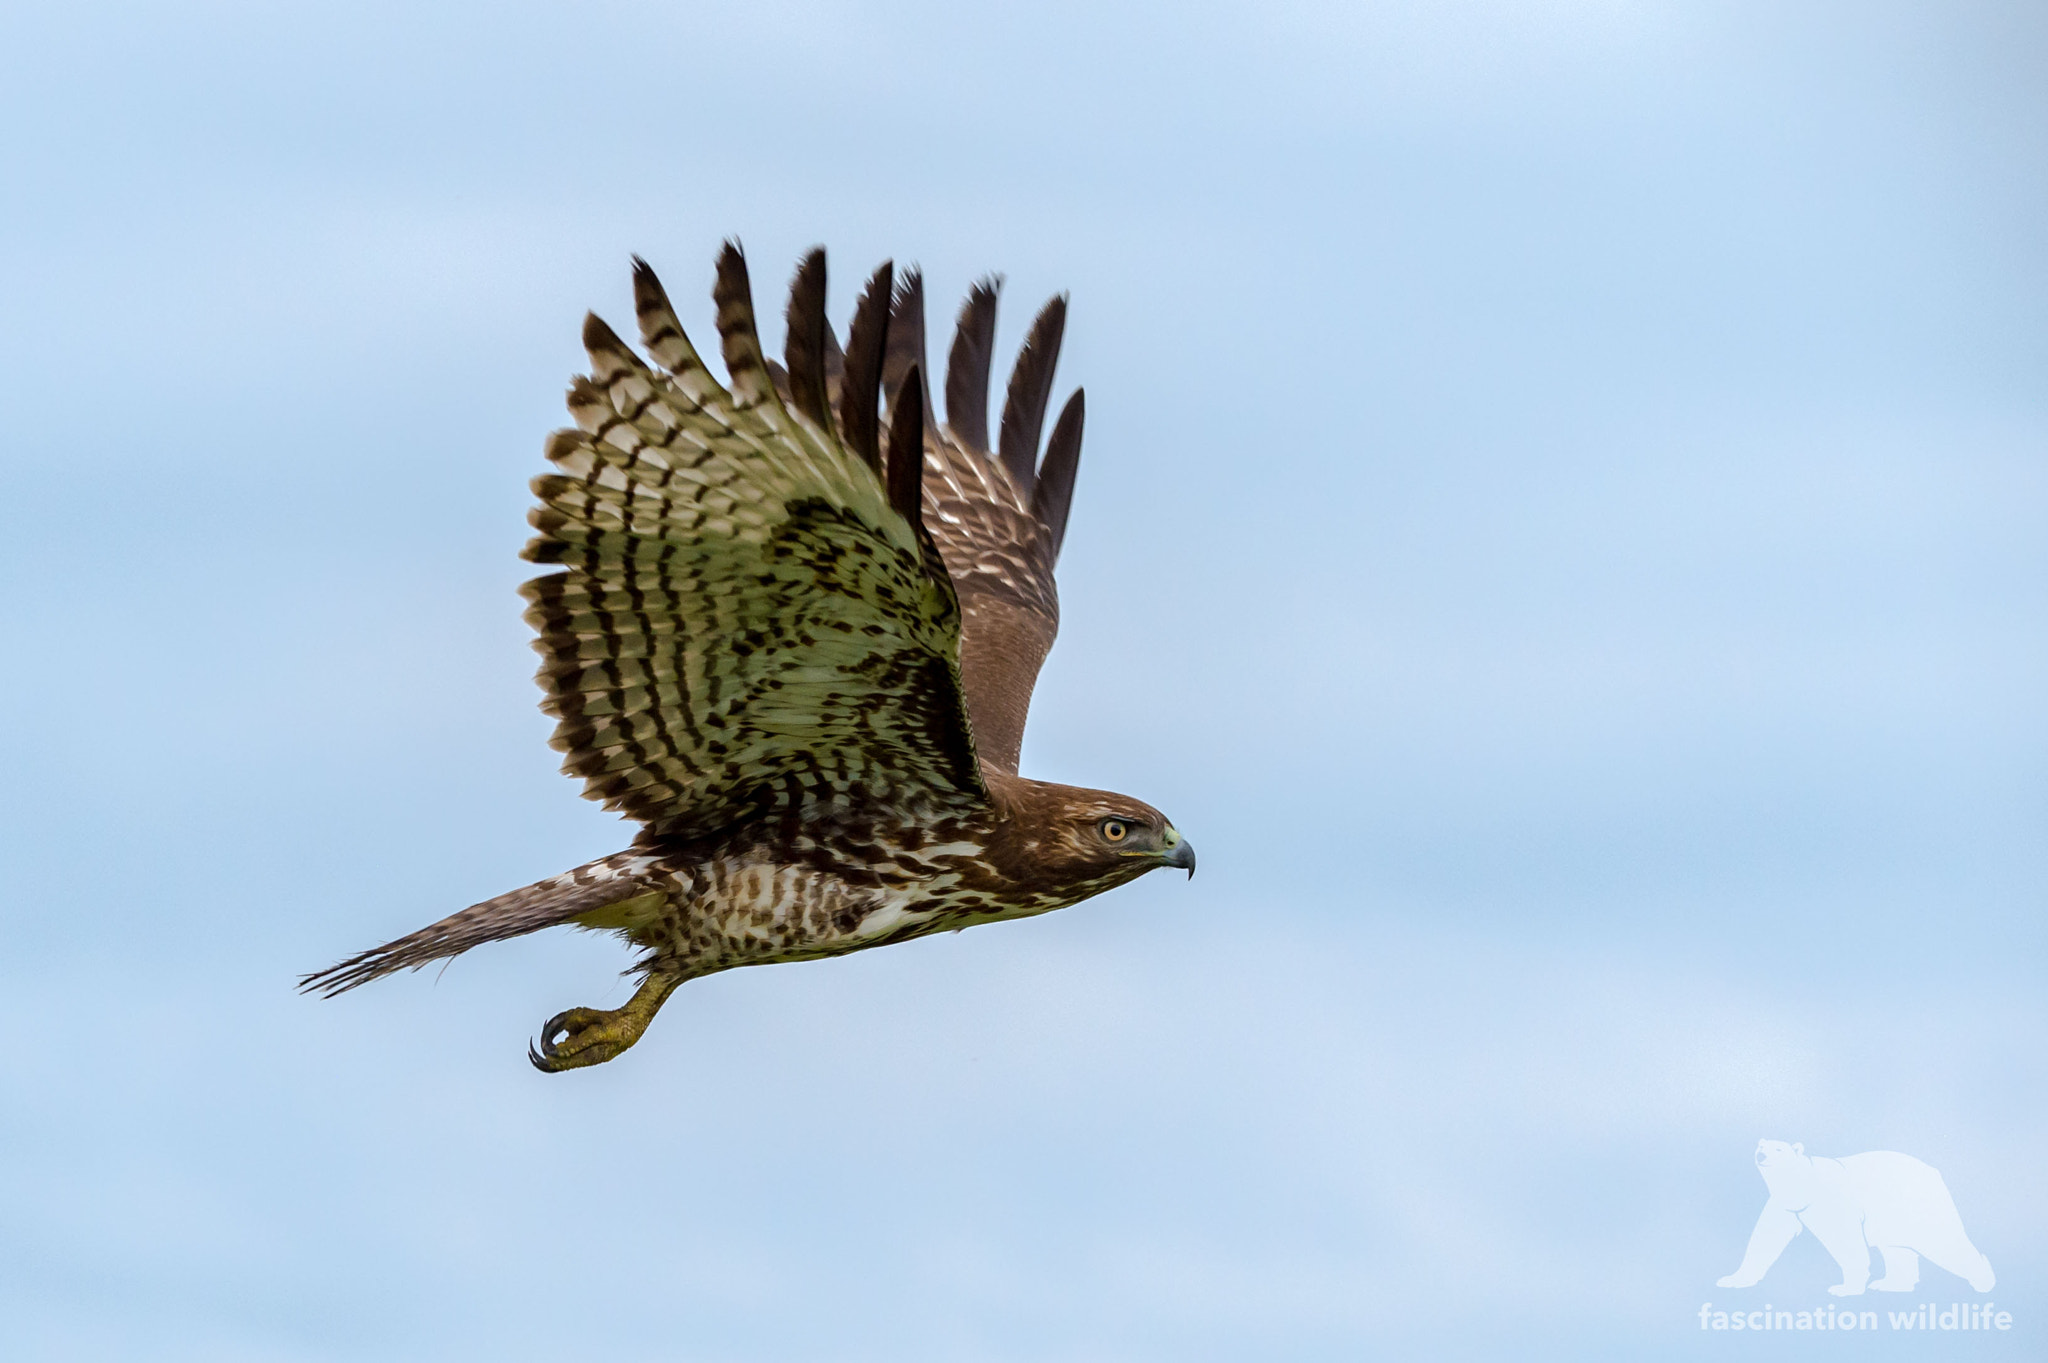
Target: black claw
560, 1028
595, 1034
552, 1032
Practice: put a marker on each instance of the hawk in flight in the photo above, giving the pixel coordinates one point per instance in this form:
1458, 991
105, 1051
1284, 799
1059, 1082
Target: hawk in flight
794, 635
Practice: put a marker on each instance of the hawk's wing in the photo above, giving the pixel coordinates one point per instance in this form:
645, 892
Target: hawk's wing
751, 617
998, 518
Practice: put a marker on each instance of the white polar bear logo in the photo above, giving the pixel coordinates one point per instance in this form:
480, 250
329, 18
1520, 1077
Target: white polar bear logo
1882, 1200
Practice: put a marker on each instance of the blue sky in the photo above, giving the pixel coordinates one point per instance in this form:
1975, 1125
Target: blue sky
1561, 529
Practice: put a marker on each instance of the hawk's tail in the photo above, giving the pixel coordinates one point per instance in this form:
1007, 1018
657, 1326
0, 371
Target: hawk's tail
543, 904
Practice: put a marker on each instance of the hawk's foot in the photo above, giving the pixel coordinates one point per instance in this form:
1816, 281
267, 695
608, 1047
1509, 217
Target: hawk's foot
588, 1036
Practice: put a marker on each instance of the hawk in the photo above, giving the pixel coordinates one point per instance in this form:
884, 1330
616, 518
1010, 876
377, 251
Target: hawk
794, 635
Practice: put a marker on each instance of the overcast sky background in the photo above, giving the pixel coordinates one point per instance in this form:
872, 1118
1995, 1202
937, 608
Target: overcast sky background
1561, 529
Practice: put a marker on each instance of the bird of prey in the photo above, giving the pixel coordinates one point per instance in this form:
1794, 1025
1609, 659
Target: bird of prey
797, 652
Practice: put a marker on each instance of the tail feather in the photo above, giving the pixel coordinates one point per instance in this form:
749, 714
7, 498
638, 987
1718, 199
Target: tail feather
543, 904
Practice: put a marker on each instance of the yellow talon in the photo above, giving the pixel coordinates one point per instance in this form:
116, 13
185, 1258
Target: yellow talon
589, 1036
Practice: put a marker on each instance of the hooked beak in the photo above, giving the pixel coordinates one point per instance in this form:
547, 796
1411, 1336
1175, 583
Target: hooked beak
1183, 856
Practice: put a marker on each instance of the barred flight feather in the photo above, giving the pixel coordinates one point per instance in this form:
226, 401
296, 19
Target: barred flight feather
804, 349
860, 385
1054, 492
1030, 389
968, 364
743, 603
906, 343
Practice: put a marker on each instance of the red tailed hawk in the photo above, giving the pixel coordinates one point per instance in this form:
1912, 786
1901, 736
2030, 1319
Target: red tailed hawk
799, 654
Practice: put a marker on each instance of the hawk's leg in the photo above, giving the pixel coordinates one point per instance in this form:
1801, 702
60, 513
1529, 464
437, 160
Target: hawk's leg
586, 1036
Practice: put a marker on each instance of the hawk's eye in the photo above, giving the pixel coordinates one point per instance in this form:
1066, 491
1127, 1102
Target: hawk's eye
1115, 830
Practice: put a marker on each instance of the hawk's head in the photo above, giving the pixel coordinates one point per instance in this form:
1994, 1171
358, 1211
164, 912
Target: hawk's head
1072, 841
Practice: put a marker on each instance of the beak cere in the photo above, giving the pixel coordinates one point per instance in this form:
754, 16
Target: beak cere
1183, 857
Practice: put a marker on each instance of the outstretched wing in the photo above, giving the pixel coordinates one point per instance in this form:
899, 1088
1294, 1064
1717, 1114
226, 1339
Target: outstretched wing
751, 616
998, 517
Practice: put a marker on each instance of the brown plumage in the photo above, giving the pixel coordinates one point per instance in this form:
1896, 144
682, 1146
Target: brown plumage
799, 654
1030, 388
967, 365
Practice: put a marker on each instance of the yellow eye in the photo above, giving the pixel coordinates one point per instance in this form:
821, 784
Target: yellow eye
1115, 830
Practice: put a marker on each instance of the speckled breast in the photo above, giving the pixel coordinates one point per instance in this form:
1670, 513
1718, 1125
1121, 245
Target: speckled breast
820, 893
